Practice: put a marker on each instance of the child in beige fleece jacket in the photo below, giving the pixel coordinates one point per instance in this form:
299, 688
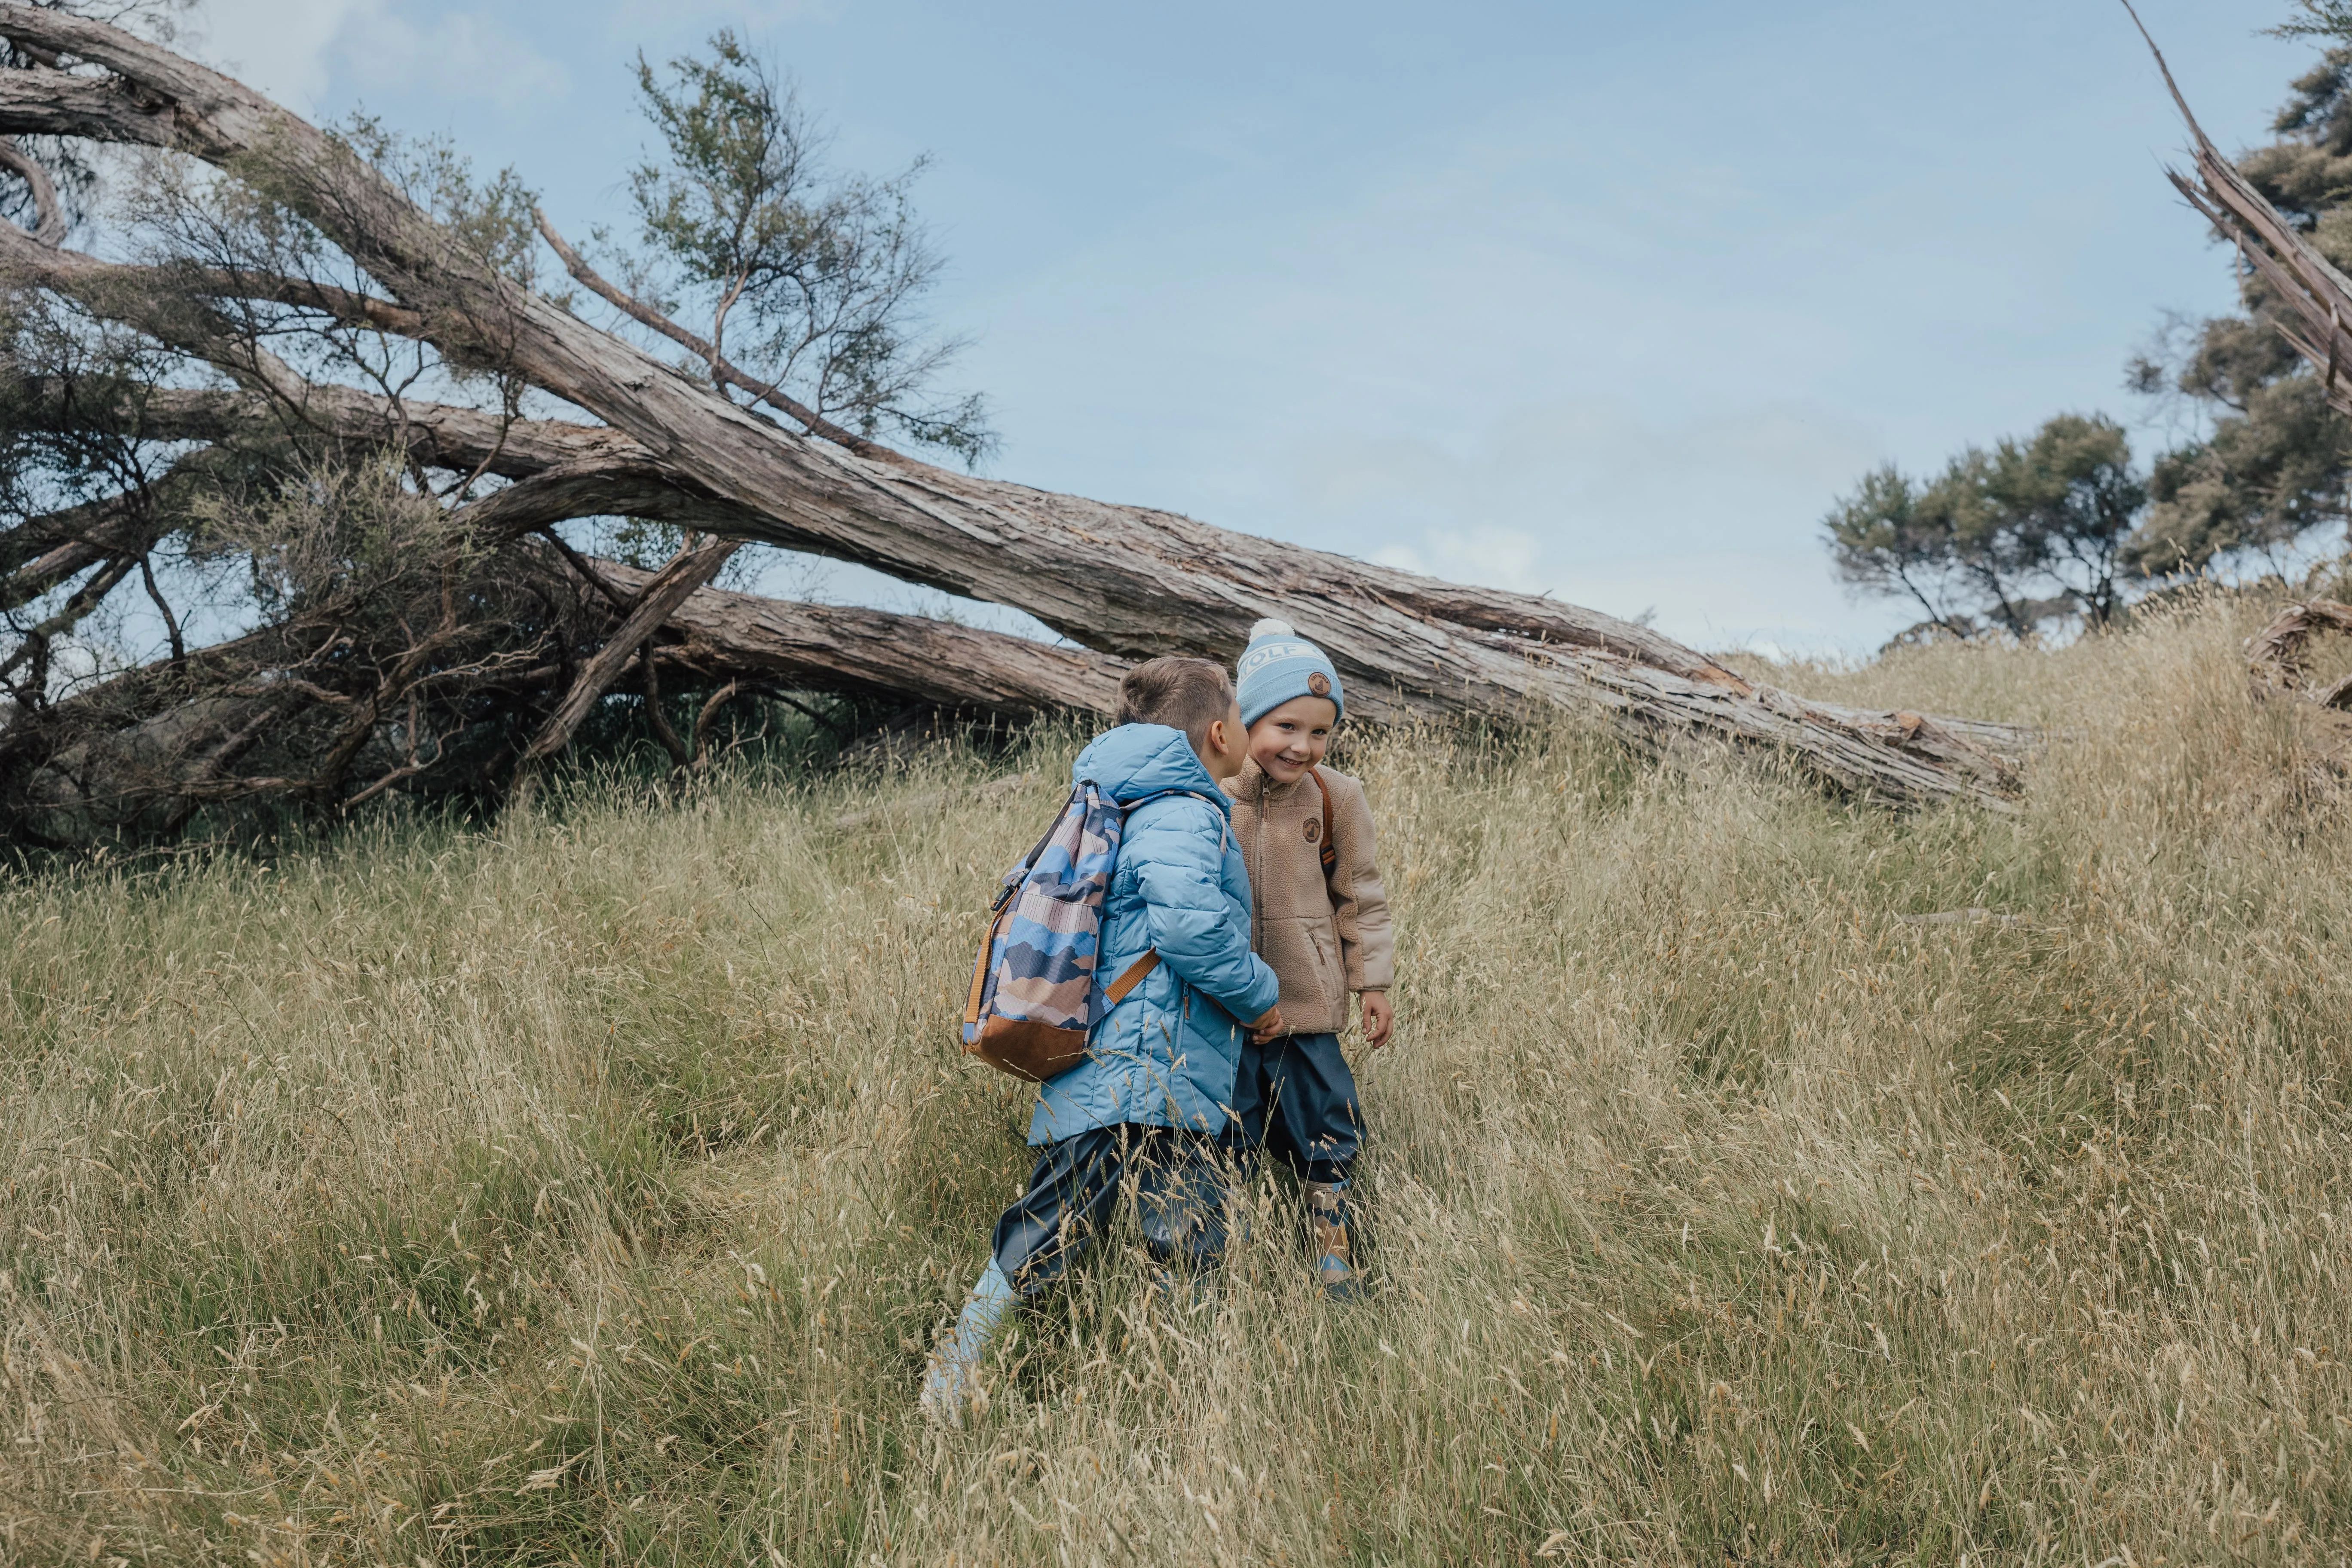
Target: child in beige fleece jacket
1320, 919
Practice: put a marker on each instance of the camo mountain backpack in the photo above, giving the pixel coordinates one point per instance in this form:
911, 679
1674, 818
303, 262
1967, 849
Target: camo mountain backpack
1032, 985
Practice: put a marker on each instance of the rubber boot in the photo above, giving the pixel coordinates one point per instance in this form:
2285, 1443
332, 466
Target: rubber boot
952, 1382
1326, 1228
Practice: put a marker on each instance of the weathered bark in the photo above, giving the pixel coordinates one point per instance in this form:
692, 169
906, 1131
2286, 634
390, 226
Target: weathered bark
2279, 652
1119, 579
655, 601
168, 737
49, 222
718, 635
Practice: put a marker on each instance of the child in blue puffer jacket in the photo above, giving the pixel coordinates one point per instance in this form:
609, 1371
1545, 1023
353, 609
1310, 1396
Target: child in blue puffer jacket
1149, 1097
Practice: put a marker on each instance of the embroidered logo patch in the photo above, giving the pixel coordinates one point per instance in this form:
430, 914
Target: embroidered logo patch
1314, 830
1264, 654
1318, 683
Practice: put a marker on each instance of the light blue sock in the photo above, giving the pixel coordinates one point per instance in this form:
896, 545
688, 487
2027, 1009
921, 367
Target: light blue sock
948, 1384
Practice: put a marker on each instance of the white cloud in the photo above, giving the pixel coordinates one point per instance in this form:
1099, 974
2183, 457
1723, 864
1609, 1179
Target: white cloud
1499, 557
297, 50
279, 47
1497, 355
1708, 521
1585, 466
637, 17
1779, 599
392, 49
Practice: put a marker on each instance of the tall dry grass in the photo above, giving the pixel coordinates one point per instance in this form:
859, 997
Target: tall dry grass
589, 1191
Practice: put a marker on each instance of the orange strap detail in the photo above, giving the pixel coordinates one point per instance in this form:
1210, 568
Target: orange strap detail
1330, 853
1116, 992
980, 967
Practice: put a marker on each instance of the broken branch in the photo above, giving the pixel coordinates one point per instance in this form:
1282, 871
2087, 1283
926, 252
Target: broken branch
638, 311
688, 570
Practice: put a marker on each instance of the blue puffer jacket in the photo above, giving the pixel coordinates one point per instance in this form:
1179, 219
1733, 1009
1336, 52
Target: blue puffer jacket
1165, 1056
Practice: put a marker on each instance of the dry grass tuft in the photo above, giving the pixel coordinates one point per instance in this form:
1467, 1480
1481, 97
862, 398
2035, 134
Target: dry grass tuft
588, 1191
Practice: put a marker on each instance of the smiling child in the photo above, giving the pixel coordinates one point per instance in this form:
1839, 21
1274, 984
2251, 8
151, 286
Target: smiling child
1320, 919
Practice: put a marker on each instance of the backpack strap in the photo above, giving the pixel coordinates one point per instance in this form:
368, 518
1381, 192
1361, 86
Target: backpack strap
980, 964
1013, 878
1331, 850
1140, 970
1135, 973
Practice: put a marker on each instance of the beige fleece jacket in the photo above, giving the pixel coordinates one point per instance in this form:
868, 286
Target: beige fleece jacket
1323, 942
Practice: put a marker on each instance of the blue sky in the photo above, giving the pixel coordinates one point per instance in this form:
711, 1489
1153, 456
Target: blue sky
1607, 300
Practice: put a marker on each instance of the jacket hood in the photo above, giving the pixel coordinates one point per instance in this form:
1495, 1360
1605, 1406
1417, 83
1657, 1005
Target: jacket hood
1138, 760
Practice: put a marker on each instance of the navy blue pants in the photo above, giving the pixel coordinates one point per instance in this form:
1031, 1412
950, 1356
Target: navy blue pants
1180, 1201
1295, 1099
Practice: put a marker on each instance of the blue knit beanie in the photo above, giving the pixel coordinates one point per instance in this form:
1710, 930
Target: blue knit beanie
1279, 665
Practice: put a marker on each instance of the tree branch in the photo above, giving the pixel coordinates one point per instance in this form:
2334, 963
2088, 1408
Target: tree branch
664, 730
688, 570
346, 306
163, 608
435, 435
49, 225
709, 711
1118, 579
596, 486
585, 570
708, 352
70, 541
85, 599
102, 109
149, 299
721, 635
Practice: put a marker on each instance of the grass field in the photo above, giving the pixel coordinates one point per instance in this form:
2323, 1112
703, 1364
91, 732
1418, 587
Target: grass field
589, 1189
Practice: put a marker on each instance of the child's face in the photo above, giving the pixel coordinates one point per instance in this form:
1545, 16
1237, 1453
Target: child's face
1293, 738
1226, 746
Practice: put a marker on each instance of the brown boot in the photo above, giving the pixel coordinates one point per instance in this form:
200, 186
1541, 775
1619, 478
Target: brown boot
1327, 1226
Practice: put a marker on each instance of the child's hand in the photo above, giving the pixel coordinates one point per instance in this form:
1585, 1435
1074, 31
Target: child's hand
1267, 1027
1380, 1019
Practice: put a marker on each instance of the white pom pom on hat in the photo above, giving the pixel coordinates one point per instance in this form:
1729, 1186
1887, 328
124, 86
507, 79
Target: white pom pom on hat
1270, 627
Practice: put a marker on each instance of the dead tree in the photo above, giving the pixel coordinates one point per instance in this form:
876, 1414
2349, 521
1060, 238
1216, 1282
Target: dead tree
2305, 282
719, 637
2279, 653
2319, 296
327, 715
1121, 581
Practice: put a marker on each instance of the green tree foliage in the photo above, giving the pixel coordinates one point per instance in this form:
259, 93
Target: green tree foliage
2276, 462
810, 281
2320, 19
2057, 528
2030, 532
243, 573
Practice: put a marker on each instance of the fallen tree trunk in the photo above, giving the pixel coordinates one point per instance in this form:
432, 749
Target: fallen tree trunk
2279, 653
566, 470
161, 740
1121, 580
718, 634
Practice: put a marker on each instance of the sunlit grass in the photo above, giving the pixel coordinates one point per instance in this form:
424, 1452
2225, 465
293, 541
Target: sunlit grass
589, 1190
